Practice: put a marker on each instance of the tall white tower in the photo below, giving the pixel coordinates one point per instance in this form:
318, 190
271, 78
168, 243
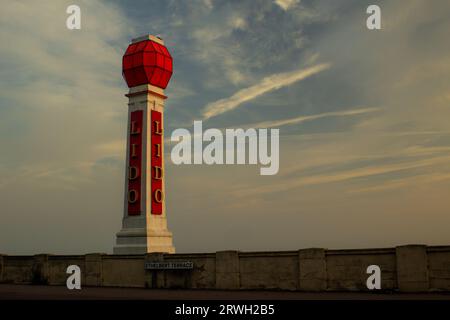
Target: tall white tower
147, 68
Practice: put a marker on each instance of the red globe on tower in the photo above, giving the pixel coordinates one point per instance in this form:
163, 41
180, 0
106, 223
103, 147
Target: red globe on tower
147, 62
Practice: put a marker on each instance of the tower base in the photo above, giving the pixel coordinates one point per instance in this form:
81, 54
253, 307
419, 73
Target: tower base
138, 241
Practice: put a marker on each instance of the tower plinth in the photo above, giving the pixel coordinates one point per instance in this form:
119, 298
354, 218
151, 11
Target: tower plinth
147, 68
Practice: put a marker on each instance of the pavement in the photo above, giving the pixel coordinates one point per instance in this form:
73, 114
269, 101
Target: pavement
38, 292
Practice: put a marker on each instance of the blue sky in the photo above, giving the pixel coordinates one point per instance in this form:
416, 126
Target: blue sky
364, 138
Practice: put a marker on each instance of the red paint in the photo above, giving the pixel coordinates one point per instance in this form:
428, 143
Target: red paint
135, 160
147, 62
156, 161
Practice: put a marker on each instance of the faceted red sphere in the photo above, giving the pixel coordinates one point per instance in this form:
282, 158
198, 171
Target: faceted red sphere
147, 62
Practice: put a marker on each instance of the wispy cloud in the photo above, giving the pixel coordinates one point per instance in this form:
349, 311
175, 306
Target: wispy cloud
280, 123
341, 176
114, 147
405, 182
273, 82
286, 4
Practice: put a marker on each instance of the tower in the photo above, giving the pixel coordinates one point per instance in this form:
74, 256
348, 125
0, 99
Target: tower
147, 68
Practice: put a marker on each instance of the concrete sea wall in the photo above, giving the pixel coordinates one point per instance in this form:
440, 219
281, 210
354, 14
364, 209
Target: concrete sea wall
410, 268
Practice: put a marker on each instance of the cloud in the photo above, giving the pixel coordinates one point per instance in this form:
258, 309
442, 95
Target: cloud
115, 147
280, 123
419, 180
61, 93
208, 4
286, 4
267, 84
340, 176
68, 86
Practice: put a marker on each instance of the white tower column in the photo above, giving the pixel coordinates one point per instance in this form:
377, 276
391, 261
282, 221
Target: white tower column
144, 231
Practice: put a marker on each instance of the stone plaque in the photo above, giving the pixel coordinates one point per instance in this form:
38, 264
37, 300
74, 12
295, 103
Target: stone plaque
169, 265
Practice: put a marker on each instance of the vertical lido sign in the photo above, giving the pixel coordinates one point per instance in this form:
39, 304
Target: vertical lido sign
157, 195
135, 163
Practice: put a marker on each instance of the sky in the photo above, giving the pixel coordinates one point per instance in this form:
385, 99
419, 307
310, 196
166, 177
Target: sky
364, 120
